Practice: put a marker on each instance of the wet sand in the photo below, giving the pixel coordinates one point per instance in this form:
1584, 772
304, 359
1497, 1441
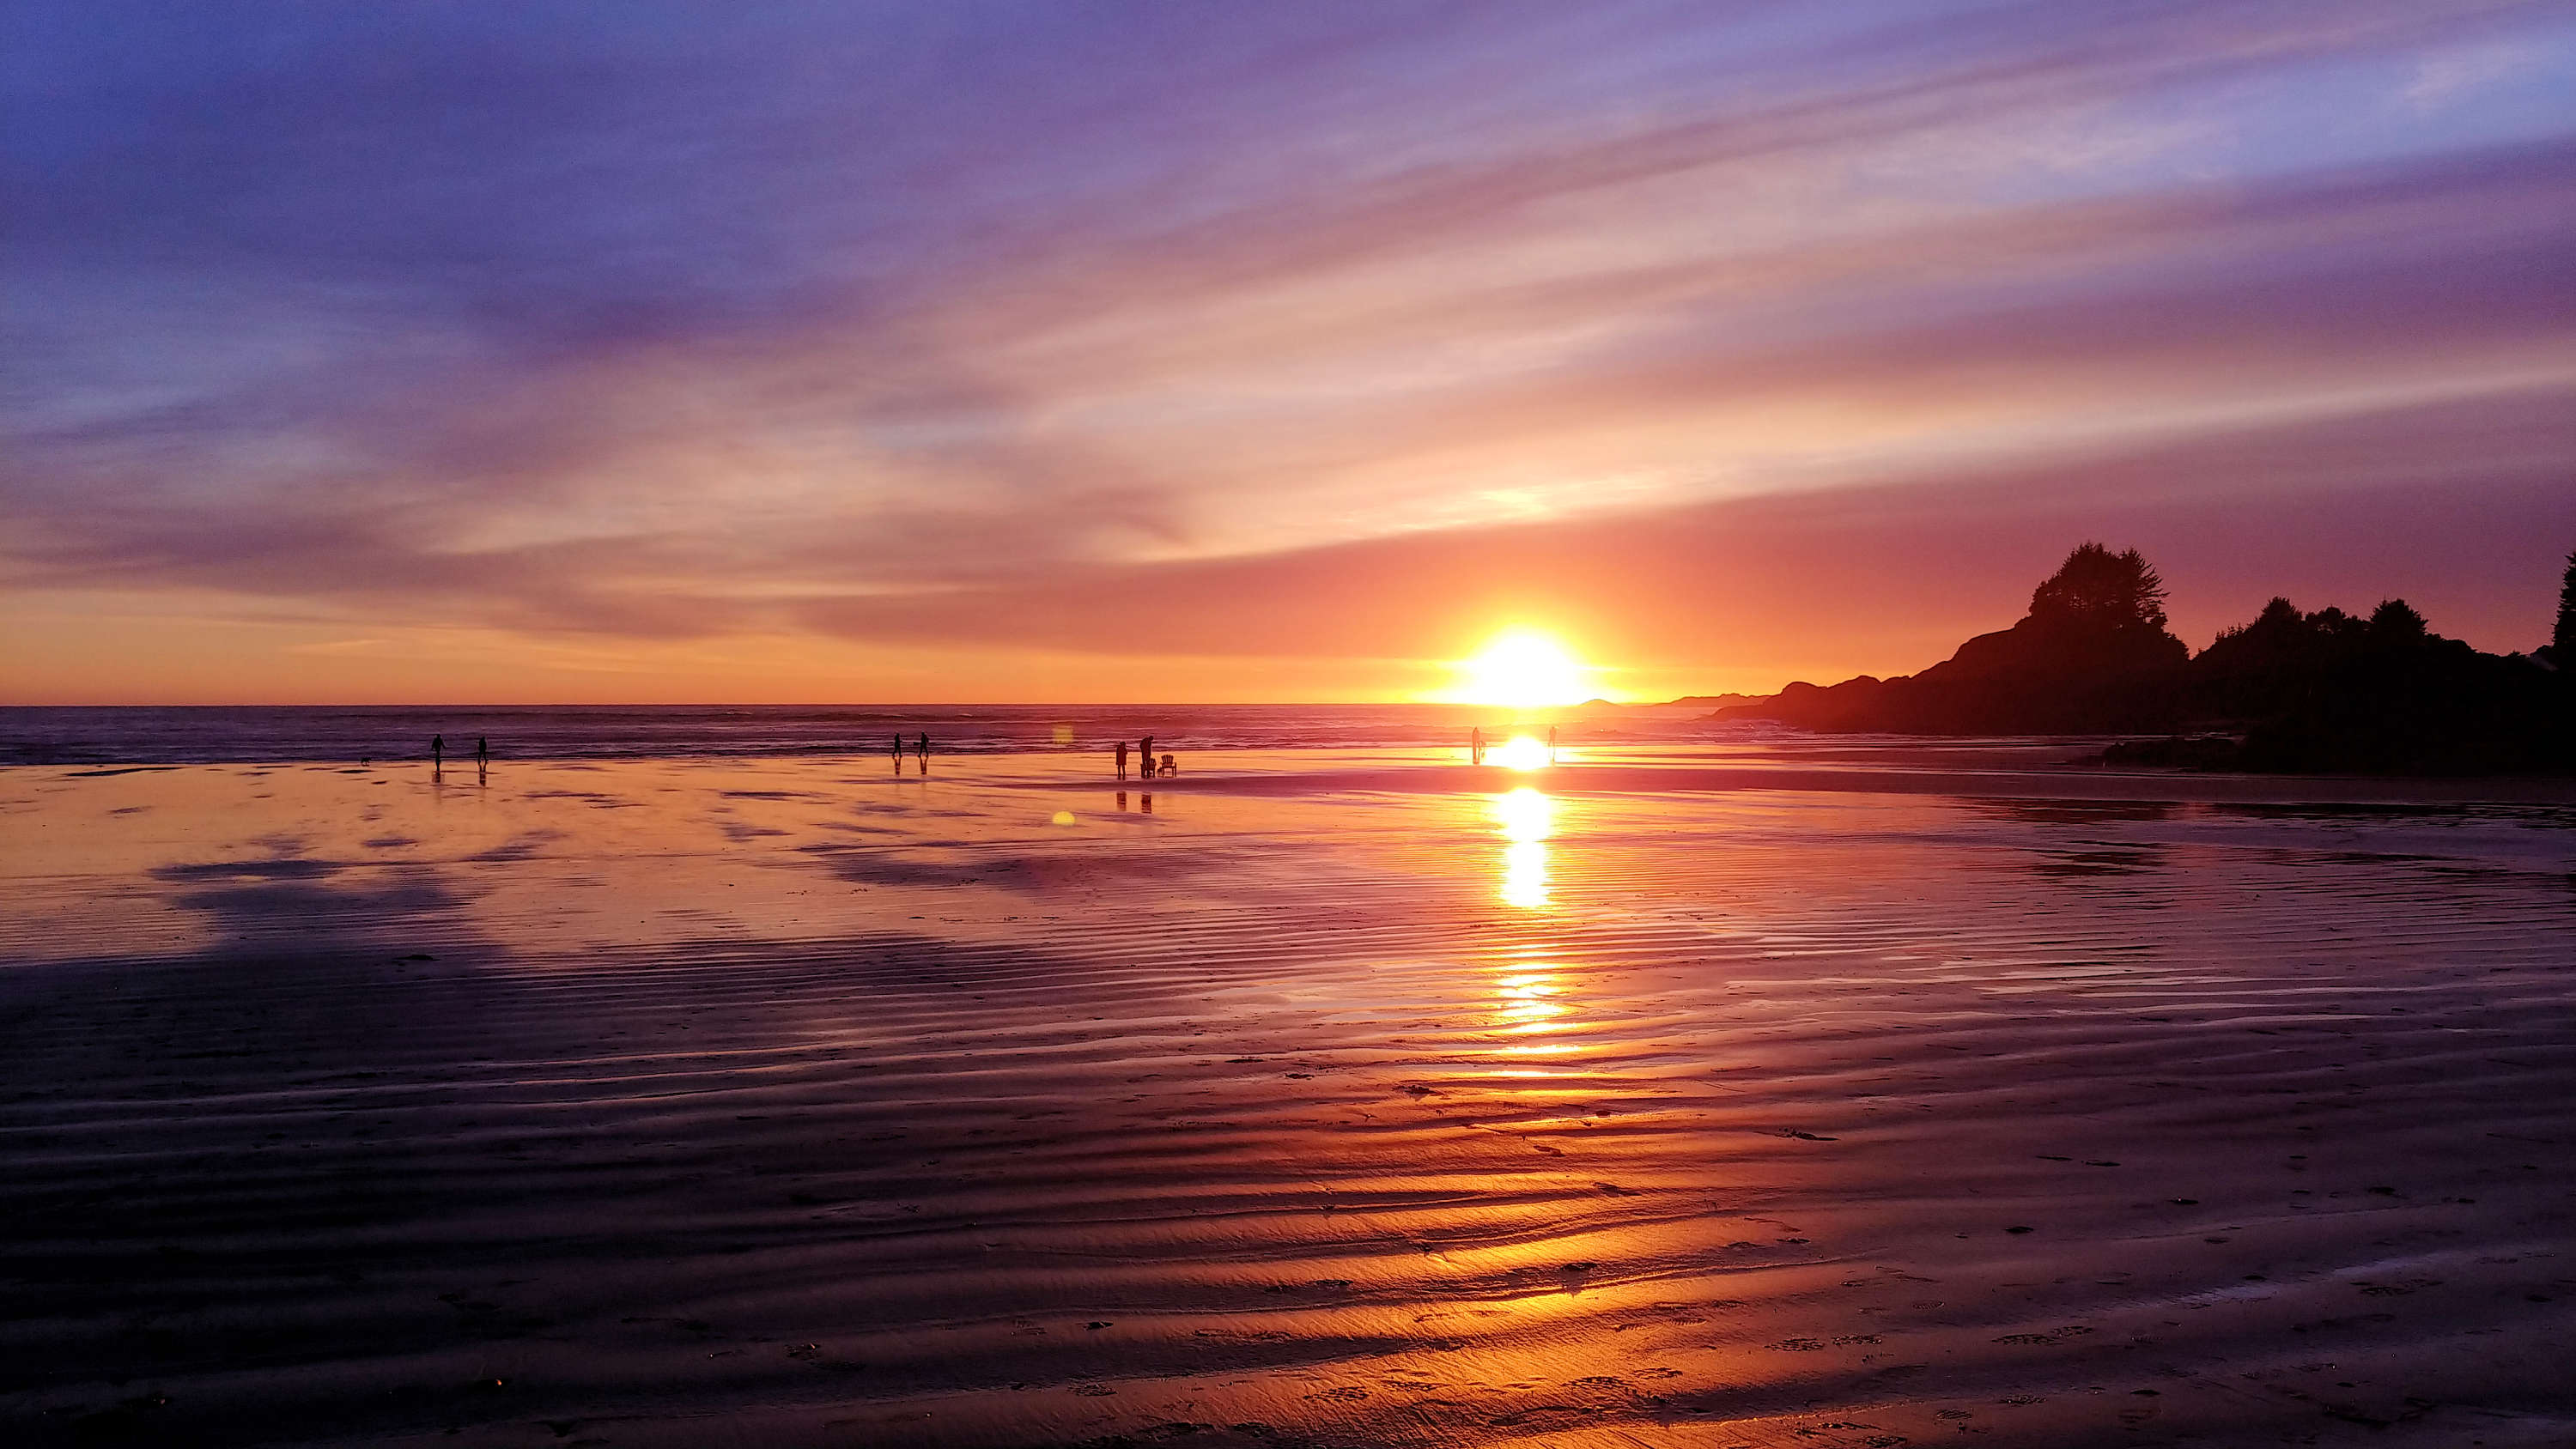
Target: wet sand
1337, 1101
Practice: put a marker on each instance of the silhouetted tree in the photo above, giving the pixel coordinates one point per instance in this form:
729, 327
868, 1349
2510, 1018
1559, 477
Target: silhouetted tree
2278, 617
2097, 586
2562, 640
2394, 622
2293, 691
2279, 630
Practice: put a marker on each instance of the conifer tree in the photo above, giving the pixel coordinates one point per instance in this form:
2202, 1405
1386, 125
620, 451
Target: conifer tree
2562, 640
2097, 586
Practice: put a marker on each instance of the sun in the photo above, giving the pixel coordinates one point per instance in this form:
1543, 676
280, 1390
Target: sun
1523, 669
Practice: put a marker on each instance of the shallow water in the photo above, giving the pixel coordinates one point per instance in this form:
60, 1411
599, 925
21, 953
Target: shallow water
794, 1102
215, 734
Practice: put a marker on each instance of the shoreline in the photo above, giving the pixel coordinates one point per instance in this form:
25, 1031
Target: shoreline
2064, 784
634, 1102
1301, 771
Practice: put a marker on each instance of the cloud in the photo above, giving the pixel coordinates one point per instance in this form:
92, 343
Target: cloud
2446, 75
700, 326
1882, 578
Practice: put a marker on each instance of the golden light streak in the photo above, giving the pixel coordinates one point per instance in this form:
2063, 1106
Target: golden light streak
1526, 818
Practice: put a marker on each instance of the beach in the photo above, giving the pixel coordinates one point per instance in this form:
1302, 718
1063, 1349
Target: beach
1326, 1098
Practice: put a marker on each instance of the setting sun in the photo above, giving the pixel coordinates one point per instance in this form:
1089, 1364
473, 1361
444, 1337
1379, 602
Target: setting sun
1524, 669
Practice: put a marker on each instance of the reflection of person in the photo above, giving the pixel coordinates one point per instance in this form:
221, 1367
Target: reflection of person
1476, 746
1122, 763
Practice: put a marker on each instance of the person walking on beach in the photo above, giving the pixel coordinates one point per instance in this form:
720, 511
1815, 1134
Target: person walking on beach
482, 751
437, 753
898, 752
921, 750
1122, 763
1551, 744
1476, 746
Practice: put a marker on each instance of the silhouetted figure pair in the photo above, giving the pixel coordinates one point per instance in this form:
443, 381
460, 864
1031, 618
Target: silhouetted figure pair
920, 748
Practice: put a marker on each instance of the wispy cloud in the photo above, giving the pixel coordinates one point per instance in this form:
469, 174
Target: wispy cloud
759, 322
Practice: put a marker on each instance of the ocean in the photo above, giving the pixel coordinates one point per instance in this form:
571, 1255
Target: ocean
108, 735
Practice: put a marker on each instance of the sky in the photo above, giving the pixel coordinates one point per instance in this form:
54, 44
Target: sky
759, 352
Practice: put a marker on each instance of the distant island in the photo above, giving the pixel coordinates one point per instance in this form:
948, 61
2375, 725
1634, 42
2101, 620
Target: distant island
1690, 701
2289, 691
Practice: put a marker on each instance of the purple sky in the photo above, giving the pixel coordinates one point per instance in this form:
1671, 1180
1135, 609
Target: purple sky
795, 352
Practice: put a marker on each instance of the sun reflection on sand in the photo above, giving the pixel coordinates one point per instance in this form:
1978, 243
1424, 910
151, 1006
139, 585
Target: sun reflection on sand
1526, 818
1531, 1005
1525, 1005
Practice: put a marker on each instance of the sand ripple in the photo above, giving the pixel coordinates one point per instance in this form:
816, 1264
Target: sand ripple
1812, 1119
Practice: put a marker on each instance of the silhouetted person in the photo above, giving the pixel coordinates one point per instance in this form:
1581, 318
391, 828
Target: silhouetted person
921, 751
437, 753
1476, 747
1145, 755
898, 752
1551, 744
482, 749
1122, 767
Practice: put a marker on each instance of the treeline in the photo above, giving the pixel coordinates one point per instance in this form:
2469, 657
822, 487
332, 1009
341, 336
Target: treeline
2288, 691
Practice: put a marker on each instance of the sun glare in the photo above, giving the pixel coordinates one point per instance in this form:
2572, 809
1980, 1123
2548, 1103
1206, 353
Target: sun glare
1524, 669
1522, 753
